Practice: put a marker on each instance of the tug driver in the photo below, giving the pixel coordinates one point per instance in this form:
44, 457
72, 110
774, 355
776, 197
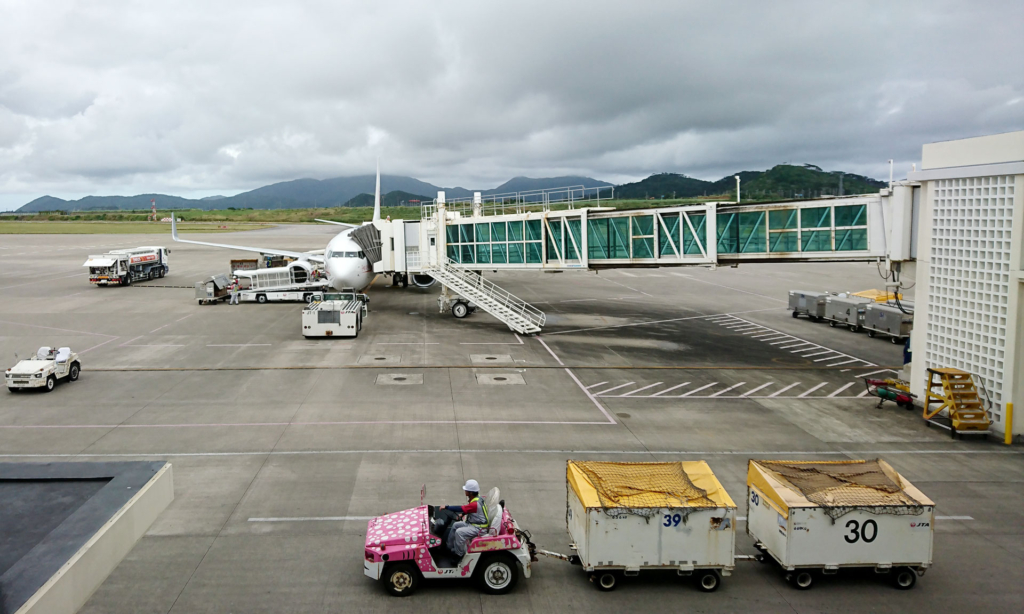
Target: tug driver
476, 521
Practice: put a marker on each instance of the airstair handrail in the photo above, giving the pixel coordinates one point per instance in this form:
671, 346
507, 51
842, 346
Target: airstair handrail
454, 274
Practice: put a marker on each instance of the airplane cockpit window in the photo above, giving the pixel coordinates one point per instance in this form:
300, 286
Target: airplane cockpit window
346, 255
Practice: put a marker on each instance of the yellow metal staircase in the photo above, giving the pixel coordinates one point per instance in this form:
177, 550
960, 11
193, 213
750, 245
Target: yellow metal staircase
953, 390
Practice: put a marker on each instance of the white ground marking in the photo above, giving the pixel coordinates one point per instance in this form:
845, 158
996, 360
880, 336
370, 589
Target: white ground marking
748, 393
615, 388
752, 453
408, 343
686, 394
312, 518
237, 345
583, 330
593, 399
838, 390
677, 386
519, 341
632, 392
596, 385
783, 390
720, 393
821, 385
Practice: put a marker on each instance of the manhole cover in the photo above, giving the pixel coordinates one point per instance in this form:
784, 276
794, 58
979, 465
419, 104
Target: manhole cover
623, 415
501, 379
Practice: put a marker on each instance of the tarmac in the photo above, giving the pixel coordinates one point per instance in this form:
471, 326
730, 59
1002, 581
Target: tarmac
283, 447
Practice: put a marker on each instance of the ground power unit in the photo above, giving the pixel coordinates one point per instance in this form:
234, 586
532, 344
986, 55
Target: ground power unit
625, 518
820, 517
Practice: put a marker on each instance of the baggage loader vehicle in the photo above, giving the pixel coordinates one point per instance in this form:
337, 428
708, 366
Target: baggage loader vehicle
403, 548
44, 369
817, 517
624, 518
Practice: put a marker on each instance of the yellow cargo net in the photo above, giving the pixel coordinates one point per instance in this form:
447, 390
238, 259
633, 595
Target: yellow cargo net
840, 487
642, 488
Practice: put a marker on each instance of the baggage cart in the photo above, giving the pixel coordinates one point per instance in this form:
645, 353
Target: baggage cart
332, 319
846, 311
819, 517
627, 517
888, 320
810, 304
212, 290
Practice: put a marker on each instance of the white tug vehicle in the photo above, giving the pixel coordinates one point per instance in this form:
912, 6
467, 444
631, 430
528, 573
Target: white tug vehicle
44, 369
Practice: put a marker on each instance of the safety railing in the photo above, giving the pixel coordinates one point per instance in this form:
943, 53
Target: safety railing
509, 203
479, 290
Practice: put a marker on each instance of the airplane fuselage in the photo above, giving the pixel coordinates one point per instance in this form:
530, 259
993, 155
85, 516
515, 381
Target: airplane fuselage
345, 264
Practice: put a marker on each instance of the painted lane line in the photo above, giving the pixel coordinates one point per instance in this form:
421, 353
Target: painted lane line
721, 392
626, 274
553, 355
873, 373
596, 385
786, 347
821, 385
838, 390
631, 392
312, 519
62, 330
756, 389
658, 394
169, 323
98, 345
760, 335
409, 343
845, 362
519, 340
237, 345
614, 388
281, 424
784, 340
818, 353
695, 390
752, 453
862, 395
824, 359
783, 390
703, 317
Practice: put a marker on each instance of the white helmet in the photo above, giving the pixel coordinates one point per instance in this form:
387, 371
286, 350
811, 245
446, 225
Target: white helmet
471, 486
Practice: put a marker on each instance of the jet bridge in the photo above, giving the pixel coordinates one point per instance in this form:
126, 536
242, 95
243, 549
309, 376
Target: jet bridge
572, 228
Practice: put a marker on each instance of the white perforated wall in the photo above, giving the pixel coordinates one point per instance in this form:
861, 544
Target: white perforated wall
970, 278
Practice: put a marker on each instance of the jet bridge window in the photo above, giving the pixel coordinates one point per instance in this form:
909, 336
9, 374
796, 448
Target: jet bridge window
328, 317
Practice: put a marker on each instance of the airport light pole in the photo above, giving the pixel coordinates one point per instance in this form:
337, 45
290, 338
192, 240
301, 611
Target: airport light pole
737, 187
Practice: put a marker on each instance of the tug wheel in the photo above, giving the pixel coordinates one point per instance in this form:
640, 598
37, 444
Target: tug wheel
74, 372
51, 381
498, 574
401, 579
460, 310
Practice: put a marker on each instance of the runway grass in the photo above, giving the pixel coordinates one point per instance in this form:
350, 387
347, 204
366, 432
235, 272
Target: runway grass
117, 228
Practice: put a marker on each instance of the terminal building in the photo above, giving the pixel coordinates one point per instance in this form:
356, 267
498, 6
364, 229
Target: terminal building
948, 228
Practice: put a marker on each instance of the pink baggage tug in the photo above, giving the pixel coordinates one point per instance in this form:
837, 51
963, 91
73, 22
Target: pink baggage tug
404, 547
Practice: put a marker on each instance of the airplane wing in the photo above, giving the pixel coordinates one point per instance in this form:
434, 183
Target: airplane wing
337, 223
261, 250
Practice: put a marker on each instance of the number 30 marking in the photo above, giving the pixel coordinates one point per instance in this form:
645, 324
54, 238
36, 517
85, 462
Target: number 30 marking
859, 531
672, 520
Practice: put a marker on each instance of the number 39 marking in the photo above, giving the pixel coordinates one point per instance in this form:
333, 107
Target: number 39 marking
859, 532
672, 520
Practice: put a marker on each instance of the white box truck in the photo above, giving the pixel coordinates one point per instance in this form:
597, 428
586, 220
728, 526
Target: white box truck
819, 517
121, 267
628, 517
332, 319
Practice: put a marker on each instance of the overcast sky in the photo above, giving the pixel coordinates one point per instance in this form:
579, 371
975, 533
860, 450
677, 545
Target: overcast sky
200, 98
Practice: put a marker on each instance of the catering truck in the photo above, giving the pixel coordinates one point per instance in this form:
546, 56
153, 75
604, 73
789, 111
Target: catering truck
121, 267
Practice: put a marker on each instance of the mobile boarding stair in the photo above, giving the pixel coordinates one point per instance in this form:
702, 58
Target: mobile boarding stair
955, 392
519, 315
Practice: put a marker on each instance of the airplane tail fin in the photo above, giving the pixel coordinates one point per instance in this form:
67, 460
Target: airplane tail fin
376, 196
174, 227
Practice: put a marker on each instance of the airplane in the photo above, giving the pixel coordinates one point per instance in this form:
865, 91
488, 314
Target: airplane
344, 262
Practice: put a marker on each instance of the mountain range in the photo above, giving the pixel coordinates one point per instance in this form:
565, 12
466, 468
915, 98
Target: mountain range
783, 181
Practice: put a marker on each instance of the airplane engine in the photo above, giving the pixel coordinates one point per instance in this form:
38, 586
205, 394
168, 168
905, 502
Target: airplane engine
423, 281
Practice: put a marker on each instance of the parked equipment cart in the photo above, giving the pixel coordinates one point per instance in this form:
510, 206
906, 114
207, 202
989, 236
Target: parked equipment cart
812, 517
212, 290
845, 310
810, 304
332, 319
887, 320
628, 517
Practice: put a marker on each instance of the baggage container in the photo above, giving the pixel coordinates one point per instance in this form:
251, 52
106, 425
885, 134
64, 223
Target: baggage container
889, 321
846, 310
212, 290
628, 517
810, 304
823, 516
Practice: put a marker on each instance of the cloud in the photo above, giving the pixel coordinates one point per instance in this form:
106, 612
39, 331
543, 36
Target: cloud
126, 97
